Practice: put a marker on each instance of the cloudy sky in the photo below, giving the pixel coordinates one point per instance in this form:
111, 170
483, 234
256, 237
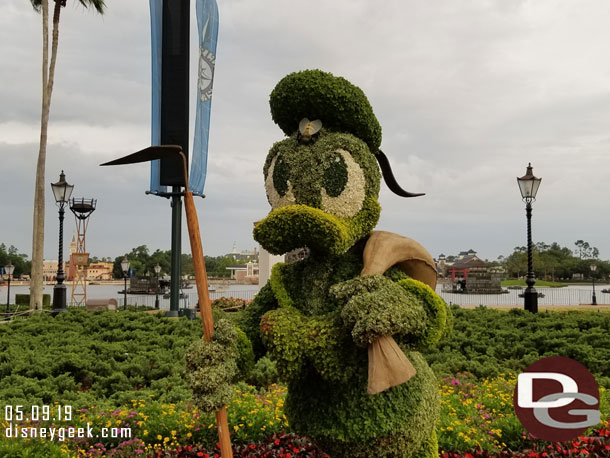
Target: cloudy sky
467, 94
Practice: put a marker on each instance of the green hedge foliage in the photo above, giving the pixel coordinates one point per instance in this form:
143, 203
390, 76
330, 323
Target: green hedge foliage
488, 342
81, 358
315, 94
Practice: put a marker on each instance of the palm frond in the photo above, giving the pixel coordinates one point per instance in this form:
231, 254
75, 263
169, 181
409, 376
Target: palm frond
99, 5
37, 5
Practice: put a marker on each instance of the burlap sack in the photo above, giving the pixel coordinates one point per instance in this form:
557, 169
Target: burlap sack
388, 365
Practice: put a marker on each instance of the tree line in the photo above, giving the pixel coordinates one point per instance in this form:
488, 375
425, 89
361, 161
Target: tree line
550, 261
19, 260
554, 262
143, 262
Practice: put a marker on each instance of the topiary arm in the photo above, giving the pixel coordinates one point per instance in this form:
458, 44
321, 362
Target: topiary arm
281, 331
211, 367
439, 318
375, 306
293, 339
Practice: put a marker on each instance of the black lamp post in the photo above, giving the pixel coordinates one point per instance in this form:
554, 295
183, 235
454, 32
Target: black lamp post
157, 271
125, 268
593, 269
62, 192
528, 185
8, 270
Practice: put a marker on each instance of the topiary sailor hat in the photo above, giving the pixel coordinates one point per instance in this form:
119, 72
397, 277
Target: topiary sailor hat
314, 94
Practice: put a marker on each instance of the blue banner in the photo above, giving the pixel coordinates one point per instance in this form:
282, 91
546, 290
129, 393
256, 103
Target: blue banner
207, 25
156, 31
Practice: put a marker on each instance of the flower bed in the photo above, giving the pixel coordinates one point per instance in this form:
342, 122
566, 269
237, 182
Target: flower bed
229, 303
477, 420
594, 445
277, 446
479, 415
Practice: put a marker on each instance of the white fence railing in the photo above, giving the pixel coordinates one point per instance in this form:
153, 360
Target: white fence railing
552, 296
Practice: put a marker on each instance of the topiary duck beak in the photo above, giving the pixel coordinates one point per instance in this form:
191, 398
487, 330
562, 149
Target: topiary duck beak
296, 226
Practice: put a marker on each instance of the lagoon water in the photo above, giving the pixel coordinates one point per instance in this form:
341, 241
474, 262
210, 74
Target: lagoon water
112, 292
572, 295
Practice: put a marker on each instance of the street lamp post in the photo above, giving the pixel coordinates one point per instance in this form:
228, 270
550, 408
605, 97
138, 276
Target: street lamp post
8, 270
528, 185
62, 192
125, 268
157, 271
593, 269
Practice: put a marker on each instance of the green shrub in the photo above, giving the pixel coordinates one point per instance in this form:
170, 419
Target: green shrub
488, 342
264, 373
20, 448
104, 357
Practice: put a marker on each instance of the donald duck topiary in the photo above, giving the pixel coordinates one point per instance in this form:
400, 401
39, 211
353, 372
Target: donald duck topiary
345, 323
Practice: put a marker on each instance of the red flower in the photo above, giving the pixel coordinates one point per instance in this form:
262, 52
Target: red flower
277, 442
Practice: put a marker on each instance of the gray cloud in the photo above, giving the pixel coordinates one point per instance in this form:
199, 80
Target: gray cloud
467, 94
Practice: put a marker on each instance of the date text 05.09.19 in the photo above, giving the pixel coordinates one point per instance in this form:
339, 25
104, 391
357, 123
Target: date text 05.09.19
19, 413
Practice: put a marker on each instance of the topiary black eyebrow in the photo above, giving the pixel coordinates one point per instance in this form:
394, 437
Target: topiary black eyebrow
388, 177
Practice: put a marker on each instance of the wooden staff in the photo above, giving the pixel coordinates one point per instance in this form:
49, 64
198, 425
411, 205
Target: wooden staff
205, 308
201, 279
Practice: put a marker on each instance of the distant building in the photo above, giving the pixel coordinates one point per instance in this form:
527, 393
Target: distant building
266, 261
71, 270
100, 271
247, 273
49, 270
470, 274
241, 255
466, 260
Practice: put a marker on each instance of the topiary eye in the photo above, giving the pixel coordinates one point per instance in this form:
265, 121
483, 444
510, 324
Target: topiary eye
344, 185
335, 176
277, 184
281, 175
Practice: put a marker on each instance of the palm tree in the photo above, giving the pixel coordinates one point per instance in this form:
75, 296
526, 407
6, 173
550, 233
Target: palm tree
48, 74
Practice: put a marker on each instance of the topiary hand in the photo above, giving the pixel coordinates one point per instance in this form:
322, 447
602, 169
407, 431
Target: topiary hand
212, 366
375, 306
